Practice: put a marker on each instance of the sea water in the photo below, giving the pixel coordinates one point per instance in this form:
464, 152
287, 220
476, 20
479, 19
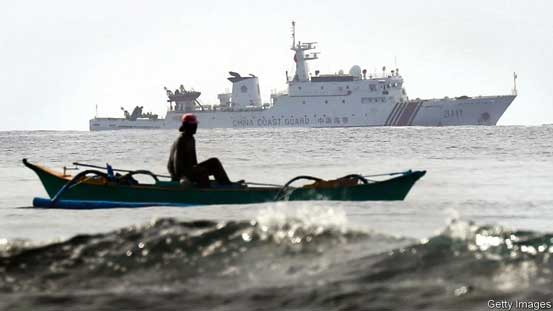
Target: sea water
473, 234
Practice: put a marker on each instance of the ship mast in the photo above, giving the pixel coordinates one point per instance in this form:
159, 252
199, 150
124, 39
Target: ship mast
293, 34
515, 83
300, 57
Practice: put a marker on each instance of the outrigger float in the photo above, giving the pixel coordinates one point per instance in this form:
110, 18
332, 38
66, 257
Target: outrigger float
92, 188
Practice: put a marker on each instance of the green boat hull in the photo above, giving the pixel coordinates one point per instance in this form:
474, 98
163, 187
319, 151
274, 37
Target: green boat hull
395, 188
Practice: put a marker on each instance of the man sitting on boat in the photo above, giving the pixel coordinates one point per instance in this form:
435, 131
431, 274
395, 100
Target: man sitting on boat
183, 164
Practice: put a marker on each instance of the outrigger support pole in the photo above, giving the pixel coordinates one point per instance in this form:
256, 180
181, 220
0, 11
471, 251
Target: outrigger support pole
115, 169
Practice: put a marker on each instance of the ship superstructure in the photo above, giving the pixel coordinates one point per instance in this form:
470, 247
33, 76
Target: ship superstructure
353, 99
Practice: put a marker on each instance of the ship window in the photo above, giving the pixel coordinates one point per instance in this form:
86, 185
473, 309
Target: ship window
303, 102
347, 87
372, 87
299, 87
326, 101
244, 89
343, 101
322, 87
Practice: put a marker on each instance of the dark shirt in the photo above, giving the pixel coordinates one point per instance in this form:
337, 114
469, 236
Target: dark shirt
182, 158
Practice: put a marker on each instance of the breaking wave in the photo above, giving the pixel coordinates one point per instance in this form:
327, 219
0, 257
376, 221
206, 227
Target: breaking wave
276, 263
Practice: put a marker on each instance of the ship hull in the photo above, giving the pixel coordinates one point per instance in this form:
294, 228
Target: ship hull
349, 112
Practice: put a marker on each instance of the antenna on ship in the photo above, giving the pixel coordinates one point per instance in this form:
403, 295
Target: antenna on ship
293, 34
515, 83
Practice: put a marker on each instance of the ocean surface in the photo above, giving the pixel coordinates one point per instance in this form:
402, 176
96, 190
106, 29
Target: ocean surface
477, 229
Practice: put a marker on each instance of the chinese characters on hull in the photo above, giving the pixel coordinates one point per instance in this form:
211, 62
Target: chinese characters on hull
286, 122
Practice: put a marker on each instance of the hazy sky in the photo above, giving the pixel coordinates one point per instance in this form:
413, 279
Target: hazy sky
59, 59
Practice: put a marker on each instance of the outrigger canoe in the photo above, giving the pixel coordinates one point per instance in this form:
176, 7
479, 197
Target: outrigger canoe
97, 189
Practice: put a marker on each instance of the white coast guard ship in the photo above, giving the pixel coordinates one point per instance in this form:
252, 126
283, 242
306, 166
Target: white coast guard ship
354, 99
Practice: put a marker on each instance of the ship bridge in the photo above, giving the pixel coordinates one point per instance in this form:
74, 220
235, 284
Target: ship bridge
376, 87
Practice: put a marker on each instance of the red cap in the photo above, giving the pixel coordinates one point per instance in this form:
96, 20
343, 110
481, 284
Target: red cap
189, 118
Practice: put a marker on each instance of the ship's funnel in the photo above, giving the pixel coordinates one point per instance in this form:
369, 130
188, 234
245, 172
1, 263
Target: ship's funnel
245, 91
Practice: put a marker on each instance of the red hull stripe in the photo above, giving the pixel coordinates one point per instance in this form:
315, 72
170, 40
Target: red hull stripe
401, 116
398, 114
407, 113
391, 114
419, 105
